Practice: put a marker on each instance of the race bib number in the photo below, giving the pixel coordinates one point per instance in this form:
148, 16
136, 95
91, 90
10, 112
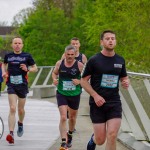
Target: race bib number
68, 86
109, 81
16, 79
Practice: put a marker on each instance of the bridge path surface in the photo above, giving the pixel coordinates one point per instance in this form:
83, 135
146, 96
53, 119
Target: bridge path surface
41, 126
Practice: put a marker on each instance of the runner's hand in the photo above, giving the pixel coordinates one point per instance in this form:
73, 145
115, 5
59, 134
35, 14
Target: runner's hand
5, 75
125, 83
99, 100
55, 82
24, 67
76, 81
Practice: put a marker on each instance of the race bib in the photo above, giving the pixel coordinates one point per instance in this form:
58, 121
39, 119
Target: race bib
16, 79
68, 86
109, 81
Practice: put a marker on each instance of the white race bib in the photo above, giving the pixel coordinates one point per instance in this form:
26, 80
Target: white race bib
68, 86
109, 81
16, 79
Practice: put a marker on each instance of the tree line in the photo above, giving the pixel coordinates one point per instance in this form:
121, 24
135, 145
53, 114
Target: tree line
49, 25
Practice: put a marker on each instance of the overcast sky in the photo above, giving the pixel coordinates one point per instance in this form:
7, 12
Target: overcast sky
9, 8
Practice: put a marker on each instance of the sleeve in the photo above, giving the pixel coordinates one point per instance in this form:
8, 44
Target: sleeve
88, 69
5, 59
30, 61
123, 71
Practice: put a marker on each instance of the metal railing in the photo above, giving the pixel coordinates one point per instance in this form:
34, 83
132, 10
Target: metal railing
135, 101
41, 72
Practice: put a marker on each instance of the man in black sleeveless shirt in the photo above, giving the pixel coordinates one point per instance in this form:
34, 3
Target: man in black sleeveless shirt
78, 56
105, 70
66, 75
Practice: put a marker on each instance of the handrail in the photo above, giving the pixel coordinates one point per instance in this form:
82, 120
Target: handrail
138, 74
141, 130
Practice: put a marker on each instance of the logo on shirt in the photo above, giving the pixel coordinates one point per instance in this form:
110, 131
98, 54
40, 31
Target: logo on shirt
73, 71
63, 71
17, 59
117, 65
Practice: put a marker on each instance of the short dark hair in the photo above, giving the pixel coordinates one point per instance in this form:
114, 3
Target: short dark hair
104, 32
75, 38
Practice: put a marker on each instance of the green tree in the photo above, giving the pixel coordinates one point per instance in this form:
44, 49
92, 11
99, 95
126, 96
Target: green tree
130, 21
51, 24
1, 42
45, 35
81, 8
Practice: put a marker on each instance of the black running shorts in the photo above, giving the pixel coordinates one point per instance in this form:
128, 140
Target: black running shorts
105, 112
20, 90
72, 101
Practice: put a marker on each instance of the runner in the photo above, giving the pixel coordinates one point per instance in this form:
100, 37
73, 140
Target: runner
104, 70
68, 93
15, 69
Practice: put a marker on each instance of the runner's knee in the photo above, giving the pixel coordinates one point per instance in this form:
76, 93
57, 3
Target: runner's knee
12, 109
111, 136
99, 140
20, 111
63, 118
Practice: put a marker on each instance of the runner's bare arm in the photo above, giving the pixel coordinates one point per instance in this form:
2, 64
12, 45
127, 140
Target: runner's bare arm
4, 70
55, 72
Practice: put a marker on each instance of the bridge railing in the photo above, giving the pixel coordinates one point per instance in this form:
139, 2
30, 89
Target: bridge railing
43, 75
135, 101
41, 78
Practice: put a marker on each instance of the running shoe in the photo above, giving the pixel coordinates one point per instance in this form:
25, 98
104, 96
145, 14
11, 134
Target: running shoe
91, 145
10, 139
20, 130
63, 146
69, 142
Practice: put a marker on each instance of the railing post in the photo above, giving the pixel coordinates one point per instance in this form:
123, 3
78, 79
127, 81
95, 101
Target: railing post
37, 77
147, 85
131, 120
140, 110
48, 76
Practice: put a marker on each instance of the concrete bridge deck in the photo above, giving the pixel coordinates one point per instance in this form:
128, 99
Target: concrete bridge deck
41, 126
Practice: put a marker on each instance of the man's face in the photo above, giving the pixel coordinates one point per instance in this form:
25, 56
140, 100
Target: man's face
109, 41
17, 45
76, 44
70, 55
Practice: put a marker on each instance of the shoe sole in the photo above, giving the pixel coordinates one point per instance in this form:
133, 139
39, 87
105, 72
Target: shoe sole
10, 139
